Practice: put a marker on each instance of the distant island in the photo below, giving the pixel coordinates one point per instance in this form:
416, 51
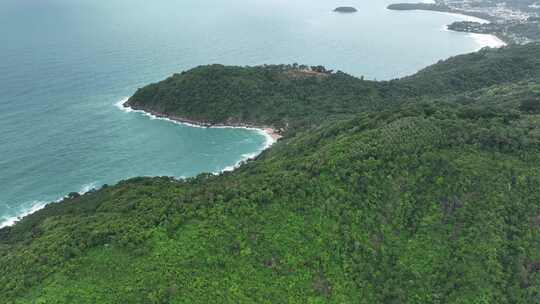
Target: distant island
345, 9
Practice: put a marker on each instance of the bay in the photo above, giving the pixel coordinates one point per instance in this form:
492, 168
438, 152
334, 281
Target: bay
65, 64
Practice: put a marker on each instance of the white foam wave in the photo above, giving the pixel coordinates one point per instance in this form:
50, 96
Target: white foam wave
11, 220
120, 105
269, 141
87, 188
7, 221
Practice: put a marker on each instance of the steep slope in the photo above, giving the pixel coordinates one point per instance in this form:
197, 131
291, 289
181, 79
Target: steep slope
431, 199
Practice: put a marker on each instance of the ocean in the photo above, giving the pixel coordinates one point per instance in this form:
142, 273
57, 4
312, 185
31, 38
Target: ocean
66, 64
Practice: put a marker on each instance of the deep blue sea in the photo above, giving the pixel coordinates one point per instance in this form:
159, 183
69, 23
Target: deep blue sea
64, 64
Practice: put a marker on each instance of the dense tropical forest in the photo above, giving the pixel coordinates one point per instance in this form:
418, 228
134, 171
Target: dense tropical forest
289, 96
416, 190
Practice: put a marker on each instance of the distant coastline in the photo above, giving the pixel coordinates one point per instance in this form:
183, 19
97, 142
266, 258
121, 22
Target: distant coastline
496, 41
431, 6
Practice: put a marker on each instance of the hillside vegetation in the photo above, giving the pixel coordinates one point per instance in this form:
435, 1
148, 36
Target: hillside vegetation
292, 95
418, 190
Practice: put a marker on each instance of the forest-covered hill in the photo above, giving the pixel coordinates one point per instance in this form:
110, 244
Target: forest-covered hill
417, 190
293, 95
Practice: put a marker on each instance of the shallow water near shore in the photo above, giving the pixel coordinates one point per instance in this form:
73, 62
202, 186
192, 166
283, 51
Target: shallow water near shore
65, 64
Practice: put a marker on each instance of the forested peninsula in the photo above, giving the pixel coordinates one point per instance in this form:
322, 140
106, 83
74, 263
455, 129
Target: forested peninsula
416, 190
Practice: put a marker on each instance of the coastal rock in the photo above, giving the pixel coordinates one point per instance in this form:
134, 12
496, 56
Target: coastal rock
345, 9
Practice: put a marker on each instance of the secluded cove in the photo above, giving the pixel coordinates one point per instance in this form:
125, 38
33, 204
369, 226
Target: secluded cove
135, 146
270, 134
58, 92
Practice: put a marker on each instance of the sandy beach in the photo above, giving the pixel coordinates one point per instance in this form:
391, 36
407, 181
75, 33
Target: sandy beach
483, 40
487, 40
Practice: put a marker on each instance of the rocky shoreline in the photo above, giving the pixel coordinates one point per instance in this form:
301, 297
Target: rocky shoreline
268, 130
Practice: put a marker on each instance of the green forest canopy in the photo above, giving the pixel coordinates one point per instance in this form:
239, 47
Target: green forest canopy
417, 190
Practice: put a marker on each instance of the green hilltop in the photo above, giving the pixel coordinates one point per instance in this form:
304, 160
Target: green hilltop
416, 190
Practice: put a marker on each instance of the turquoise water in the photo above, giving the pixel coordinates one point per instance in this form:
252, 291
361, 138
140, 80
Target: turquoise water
64, 64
